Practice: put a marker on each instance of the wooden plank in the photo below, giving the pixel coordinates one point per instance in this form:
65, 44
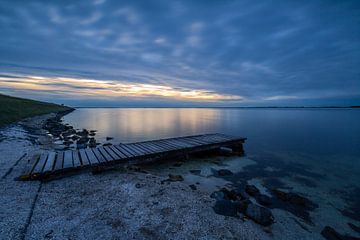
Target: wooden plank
110, 155
138, 149
40, 164
68, 161
98, 155
123, 150
183, 144
76, 158
84, 159
50, 162
91, 157
120, 154
164, 146
131, 151
153, 146
171, 143
59, 161
192, 140
145, 149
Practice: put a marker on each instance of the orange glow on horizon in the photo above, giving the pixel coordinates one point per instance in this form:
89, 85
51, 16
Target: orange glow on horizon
108, 88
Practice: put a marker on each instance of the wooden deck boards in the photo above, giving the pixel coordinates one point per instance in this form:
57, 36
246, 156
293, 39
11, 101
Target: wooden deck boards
50, 163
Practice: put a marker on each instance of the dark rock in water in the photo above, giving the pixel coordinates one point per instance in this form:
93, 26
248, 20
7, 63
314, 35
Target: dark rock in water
92, 142
259, 214
196, 172
69, 132
92, 131
109, 138
175, 178
224, 172
83, 133
107, 144
293, 198
192, 186
251, 190
226, 208
263, 200
218, 195
81, 145
331, 234
242, 205
82, 140
92, 134
67, 143
354, 227
75, 137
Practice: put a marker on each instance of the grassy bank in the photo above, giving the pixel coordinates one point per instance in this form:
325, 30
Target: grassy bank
13, 109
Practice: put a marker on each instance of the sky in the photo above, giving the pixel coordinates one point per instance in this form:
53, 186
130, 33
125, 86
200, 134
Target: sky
181, 53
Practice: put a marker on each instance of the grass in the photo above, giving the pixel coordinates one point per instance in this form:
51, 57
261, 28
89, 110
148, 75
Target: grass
13, 109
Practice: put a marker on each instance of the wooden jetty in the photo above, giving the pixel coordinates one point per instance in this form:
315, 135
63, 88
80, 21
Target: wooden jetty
58, 163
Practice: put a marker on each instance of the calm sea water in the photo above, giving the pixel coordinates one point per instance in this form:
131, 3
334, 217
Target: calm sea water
312, 151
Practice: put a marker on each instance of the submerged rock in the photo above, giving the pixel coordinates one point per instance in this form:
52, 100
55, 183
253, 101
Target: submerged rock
226, 208
331, 234
107, 144
196, 172
224, 172
192, 186
227, 194
251, 190
109, 138
175, 178
293, 198
259, 214
263, 200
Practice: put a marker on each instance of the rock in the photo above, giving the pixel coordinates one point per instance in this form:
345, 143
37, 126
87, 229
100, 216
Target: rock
67, 143
259, 214
226, 208
218, 195
196, 172
92, 142
354, 227
192, 186
224, 172
109, 138
75, 137
263, 200
293, 198
242, 205
83, 133
107, 144
82, 140
138, 185
92, 134
81, 145
330, 234
175, 178
251, 190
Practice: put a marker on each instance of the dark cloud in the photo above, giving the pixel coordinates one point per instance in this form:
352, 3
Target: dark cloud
283, 52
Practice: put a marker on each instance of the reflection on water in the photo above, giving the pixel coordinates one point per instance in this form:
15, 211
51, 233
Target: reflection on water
311, 151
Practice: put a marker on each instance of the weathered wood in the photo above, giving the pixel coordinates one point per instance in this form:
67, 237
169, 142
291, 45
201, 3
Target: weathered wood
68, 161
50, 162
91, 157
76, 159
120, 154
59, 161
84, 159
40, 163
53, 163
111, 153
98, 155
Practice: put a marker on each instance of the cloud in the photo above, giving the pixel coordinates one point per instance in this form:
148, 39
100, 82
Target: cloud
93, 18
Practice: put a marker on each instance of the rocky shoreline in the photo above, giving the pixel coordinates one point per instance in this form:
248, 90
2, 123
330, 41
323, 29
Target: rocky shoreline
135, 202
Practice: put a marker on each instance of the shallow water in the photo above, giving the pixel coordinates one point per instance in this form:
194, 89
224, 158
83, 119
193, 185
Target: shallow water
315, 152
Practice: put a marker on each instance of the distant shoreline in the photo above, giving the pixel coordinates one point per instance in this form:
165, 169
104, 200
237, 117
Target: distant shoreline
326, 107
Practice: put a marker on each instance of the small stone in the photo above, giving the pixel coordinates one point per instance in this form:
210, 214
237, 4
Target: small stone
224, 172
175, 178
193, 187
196, 172
259, 214
251, 190
138, 185
331, 234
263, 200
109, 138
107, 144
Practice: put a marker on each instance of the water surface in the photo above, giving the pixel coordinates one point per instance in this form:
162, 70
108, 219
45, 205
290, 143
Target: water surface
315, 152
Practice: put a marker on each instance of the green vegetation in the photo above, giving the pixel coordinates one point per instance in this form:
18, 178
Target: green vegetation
13, 109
